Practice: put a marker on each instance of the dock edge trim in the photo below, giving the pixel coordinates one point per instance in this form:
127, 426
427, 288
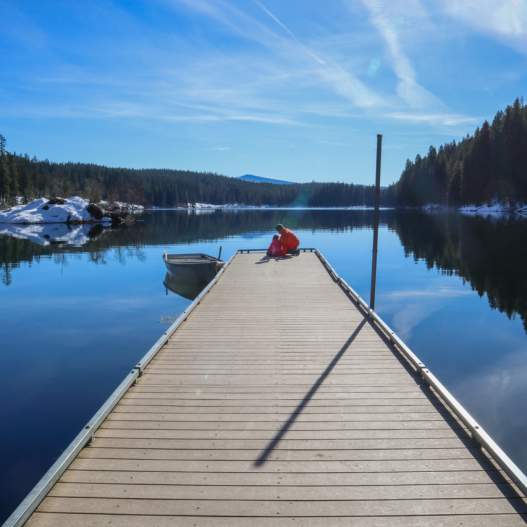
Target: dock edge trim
32, 500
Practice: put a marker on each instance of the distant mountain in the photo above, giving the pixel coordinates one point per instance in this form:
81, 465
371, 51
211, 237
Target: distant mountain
259, 179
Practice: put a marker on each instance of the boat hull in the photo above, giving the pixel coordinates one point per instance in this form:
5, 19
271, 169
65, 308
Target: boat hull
194, 268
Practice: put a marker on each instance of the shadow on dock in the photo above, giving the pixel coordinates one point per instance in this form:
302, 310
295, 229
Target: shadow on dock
262, 458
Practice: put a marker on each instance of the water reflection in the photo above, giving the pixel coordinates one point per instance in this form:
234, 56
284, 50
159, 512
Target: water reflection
182, 284
490, 255
502, 412
53, 233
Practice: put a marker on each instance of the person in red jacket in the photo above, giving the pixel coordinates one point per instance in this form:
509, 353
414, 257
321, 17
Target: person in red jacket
288, 240
275, 249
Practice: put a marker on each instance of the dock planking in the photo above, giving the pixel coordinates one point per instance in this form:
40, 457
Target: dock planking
277, 403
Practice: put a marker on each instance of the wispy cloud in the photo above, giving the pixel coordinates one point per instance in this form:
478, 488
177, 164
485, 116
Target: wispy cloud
408, 88
289, 49
444, 119
505, 20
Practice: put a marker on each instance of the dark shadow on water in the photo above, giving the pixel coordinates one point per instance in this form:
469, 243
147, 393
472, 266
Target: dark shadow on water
264, 455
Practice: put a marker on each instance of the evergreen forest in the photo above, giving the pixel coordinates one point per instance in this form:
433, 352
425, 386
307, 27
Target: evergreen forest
490, 164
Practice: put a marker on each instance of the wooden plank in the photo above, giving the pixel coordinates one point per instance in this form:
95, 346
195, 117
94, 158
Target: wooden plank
290, 404
286, 443
272, 508
277, 416
103, 520
274, 410
266, 389
443, 477
276, 425
279, 454
321, 466
270, 492
215, 433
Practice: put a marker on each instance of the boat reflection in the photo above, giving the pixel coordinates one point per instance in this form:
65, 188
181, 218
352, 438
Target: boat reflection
187, 285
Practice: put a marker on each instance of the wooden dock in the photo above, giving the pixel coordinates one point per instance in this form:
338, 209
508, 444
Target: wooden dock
278, 402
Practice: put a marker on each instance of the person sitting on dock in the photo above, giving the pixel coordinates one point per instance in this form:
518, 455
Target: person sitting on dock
275, 249
288, 240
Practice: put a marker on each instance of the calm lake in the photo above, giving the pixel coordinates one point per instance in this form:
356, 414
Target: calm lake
74, 320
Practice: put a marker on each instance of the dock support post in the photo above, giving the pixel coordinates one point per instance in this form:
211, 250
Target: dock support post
376, 222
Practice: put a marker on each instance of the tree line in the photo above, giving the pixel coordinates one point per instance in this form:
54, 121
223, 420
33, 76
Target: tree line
489, 165
21, 176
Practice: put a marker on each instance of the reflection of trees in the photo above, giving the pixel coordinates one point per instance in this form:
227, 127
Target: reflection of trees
488, 254
171, 228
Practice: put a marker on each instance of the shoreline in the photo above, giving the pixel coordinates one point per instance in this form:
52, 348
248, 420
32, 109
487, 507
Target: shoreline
494, 209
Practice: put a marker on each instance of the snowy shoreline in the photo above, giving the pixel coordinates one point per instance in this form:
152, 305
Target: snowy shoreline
209, 207
70, 221
495, 209
67, 210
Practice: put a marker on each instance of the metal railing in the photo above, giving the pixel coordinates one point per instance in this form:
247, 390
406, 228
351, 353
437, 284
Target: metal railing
493, 450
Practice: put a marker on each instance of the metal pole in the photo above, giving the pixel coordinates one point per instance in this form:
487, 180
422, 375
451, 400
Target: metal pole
376, 222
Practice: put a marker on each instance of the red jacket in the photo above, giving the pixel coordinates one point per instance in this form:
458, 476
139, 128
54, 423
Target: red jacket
275, 249
289, 240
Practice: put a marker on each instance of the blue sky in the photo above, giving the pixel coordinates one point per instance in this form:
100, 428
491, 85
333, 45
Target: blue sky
292, 89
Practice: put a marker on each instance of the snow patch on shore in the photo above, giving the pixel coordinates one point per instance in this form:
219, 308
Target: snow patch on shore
121, 206
73, 210
494, 209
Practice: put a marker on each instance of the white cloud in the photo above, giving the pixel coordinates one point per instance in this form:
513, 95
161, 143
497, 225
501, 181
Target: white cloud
505, 20
293, 53
408, 89
444, 119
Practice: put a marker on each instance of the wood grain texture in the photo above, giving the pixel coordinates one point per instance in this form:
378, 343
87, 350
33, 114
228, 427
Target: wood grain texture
275, 404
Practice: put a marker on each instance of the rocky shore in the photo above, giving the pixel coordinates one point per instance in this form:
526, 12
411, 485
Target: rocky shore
72, 210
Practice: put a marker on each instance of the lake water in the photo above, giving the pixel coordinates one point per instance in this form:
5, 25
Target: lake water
74, 320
